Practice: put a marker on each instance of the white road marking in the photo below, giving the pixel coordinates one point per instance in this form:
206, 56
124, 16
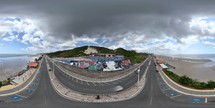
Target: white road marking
94, 84
106, 83
100, 84
21, 96
113, 82
150, 101
176, 96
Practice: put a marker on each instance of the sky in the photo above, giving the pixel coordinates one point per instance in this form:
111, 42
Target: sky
155, 26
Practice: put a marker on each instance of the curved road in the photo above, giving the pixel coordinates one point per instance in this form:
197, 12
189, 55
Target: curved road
151, 97
97, 87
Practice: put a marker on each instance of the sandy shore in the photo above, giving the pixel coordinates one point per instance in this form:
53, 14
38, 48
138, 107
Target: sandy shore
199, 69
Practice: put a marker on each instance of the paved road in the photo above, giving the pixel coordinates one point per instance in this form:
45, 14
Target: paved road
97, 87
151, 97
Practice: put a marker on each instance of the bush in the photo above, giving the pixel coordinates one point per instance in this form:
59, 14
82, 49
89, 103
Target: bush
0, 84
199, 85
211, 84
185, 80
173, 76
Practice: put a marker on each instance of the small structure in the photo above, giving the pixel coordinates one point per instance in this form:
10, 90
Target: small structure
104, 55
33, 64
164, 67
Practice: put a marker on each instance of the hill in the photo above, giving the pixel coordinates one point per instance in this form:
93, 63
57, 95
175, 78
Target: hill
79, 51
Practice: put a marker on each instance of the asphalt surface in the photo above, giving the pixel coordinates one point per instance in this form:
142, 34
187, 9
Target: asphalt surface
152, 96
97, 87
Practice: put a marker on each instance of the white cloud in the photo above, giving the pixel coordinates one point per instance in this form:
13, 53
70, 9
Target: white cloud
209, 43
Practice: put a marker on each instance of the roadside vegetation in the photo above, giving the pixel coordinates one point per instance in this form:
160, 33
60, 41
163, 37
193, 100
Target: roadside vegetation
79, 51
189, 82
4, 83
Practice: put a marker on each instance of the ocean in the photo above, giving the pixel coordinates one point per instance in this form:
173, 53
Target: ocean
210, 57
197, 66
11, 64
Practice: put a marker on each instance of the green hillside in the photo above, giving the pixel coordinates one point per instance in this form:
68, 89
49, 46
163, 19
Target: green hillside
79, 51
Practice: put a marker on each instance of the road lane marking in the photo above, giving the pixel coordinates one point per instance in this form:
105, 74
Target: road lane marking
100, 84
93, 84
176, 96
150, 101
106, 83
87, 83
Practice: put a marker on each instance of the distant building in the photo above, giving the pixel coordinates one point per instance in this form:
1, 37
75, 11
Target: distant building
164, 67
33, 64
90, 50
104, 55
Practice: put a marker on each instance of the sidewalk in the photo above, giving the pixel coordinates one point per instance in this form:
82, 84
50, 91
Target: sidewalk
83, 97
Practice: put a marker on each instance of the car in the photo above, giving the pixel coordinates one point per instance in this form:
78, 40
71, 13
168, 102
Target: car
118, 88
157, 70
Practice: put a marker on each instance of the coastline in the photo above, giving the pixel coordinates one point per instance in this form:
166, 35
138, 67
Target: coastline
12, 65
193, 67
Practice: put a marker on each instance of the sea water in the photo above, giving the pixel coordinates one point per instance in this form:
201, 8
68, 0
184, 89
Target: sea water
12, 64
210, 57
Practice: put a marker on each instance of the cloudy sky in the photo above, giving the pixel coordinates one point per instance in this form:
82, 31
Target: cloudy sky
158, 26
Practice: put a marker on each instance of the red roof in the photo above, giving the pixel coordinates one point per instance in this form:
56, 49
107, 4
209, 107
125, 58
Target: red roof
32, 64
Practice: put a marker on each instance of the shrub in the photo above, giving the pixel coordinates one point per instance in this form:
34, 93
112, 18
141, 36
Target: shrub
185, 80
211, 84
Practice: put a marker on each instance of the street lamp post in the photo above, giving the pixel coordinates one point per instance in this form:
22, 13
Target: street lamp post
53, 64
138, 77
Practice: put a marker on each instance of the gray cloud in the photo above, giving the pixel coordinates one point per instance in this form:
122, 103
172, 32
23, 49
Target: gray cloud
112, 18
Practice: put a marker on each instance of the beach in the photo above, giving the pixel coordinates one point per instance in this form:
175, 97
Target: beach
201, 69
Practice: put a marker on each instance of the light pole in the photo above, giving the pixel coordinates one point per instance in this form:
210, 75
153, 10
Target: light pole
53, 64
138, 77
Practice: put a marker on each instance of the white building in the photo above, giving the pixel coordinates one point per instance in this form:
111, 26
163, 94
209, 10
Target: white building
90, 50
